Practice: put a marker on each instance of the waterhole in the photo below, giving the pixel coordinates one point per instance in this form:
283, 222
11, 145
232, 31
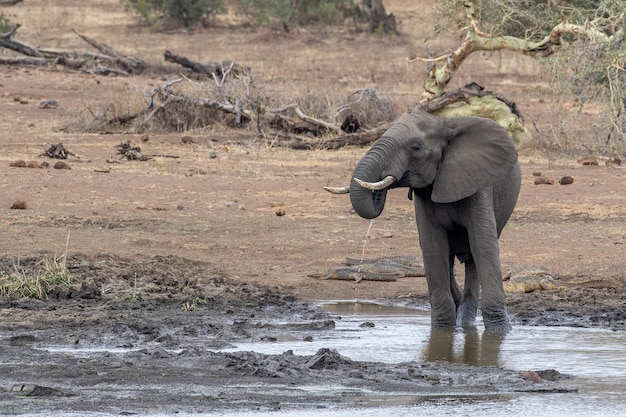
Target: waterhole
372, 332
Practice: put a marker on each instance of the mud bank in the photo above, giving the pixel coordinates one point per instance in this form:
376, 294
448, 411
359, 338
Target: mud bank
144, 336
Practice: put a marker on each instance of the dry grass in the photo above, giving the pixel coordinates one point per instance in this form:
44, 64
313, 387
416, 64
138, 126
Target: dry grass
22, 283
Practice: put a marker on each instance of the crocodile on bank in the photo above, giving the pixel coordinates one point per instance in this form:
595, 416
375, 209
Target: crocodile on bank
411, 266
526, 279
387, 268
356, 275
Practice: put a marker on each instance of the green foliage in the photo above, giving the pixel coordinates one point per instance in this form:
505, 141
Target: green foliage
590, 60
5, 23
181, 12
300, 12
526, 18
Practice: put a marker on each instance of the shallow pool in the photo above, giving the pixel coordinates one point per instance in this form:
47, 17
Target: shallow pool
371, 332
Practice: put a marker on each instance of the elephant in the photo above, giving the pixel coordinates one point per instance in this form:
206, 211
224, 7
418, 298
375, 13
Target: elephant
464, 178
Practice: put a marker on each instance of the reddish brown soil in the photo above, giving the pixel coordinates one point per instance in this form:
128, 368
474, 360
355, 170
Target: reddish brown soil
225, 213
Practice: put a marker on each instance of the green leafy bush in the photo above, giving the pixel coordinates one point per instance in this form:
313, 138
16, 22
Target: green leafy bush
181, 12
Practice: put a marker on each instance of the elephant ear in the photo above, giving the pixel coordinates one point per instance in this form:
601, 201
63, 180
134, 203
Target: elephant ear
478, 154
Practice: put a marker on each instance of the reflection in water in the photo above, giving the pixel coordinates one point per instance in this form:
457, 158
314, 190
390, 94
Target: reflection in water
464, 346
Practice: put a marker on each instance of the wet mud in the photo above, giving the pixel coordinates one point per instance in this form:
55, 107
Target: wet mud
146, 336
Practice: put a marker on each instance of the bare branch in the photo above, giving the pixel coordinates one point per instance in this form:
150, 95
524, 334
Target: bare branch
129, 63
316, 122
477, 40
10, 33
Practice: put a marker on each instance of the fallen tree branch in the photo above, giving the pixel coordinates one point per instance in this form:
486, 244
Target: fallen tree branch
8, 42
27, 61
130, 63
356, 139
219, 69
317, 122
463, 94
9, 2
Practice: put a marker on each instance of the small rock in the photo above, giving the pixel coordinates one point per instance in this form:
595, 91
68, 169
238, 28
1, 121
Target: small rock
20, 99
531, 376
368, 324
588, 160
566, 180
614, 162
280, 212
187, 139
62, 165
145, 137
19, 205
543, 180
18, 164
212, 155
32, 390
32, 164
537, 174
49, 104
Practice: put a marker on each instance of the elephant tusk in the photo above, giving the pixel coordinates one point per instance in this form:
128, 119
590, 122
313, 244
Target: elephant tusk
338, 190
374, 186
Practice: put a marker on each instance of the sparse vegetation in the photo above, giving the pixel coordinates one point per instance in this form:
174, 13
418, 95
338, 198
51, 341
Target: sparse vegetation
192, 303
299, 12
5, 24
132, 298
181, 12
20, 283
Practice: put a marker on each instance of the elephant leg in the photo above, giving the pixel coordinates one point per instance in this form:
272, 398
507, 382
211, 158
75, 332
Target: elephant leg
436, 252
466, 313
457, 295
483, 239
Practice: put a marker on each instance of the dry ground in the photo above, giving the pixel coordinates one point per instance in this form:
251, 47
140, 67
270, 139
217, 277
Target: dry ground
225, 212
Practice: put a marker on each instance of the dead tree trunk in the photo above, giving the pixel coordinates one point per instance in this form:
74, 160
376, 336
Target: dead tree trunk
220, 69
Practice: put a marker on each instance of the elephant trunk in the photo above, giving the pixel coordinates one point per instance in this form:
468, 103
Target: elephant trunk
373, 167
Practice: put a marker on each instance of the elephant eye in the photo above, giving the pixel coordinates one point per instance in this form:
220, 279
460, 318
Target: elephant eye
416, 148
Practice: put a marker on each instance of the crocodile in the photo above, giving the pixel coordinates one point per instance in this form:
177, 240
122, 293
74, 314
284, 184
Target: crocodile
356, 275
410, 266
526, 279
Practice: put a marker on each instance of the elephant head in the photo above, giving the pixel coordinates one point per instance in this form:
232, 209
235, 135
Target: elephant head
454, 158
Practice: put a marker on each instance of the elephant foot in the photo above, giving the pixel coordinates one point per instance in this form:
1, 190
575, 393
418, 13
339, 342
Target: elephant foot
442, 322
496, 319
466, 313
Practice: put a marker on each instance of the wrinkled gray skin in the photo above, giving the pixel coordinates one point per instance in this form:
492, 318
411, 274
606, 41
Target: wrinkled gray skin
464, 177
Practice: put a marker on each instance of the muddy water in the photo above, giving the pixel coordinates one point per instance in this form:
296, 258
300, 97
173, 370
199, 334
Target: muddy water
370, 332
131, 379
